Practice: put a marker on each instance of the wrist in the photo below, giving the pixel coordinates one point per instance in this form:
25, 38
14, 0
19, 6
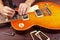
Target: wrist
29, 2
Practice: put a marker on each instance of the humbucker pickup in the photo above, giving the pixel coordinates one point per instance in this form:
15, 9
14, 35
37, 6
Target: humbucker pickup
38, 13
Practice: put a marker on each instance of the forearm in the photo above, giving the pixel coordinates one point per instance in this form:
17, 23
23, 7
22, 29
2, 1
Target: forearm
29, 2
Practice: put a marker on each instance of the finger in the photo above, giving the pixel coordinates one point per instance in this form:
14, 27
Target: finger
20, 10
24, 10
7, 14
7, 8
12, 14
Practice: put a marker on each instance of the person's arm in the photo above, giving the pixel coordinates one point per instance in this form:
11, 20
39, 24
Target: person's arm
24, 6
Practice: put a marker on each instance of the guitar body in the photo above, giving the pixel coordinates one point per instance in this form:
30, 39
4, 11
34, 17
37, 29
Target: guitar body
49, 21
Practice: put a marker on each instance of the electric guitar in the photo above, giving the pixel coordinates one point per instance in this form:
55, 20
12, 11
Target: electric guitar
44, 14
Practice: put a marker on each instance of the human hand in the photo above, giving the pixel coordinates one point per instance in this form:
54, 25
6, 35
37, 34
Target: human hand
23, 8
7, 11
